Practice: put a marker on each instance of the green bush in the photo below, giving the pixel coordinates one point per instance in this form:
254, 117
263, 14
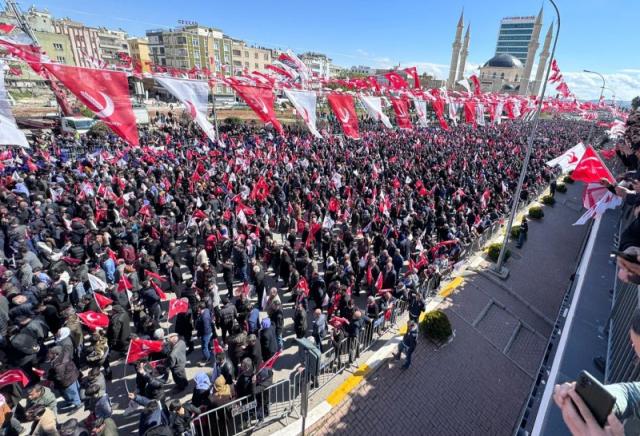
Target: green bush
233, 121
567, 179
98, 130
515, 231
536, 212
494, 249
548, 200
561, 187
86, 112
436, 326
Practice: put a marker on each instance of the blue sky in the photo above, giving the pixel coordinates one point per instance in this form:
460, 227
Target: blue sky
599, 35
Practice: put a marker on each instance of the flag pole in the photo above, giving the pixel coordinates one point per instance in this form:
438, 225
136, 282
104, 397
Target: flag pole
500, 270
124, 371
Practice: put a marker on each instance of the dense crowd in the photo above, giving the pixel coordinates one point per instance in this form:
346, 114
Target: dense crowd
240, 229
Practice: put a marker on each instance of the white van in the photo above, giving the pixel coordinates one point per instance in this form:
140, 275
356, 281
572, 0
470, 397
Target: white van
76, 124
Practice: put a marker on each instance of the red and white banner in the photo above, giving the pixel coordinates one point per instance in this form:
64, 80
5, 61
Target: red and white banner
305, 104
342, 105
13, 376
260, 99
591, 169
176, 306
421, 111
373, 106
141, 348
94, 320
10, 134
194, 94
104, 92
568, 160
401, 109
480, 114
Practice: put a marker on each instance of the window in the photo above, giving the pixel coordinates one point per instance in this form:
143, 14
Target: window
196, 54
181, 40
237, 63
494, 75
195, 42
61, 59
256, 66
246, 54
255, 55
237, 53
246, 64
266, 57
57, 46
216, 44
226, 47
226, 58
516, 78
161, 50
502, 76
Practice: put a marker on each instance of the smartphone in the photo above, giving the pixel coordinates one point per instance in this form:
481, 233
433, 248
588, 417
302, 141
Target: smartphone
626, 256
599, 401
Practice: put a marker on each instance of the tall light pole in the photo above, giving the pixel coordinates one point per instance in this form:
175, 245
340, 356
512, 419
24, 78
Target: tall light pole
500, 269
600, 99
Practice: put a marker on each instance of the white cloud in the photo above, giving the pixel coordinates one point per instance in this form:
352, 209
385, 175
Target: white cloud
625, 83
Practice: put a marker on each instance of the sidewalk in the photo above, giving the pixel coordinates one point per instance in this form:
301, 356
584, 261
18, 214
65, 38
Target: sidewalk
478, 383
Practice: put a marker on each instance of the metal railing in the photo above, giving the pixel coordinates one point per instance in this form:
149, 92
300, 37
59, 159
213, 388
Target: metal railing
248, 413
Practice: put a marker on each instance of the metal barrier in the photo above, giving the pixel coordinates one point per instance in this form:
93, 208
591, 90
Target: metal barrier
248, 413
621, 359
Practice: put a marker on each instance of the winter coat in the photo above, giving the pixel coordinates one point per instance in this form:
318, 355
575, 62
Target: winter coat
119, 330
63, 371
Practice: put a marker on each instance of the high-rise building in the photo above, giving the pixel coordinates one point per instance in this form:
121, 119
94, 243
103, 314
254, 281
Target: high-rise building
112, 42
514, 36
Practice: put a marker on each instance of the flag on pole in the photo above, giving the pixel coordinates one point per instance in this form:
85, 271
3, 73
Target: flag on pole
178, 305
94, 320
141, 348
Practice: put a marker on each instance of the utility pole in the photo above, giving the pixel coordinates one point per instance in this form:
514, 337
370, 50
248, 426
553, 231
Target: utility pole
22, 22
604, 82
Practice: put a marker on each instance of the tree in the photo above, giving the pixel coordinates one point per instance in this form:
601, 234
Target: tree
635, 103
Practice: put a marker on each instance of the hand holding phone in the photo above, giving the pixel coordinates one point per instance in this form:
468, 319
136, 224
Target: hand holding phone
597, 399
626, 256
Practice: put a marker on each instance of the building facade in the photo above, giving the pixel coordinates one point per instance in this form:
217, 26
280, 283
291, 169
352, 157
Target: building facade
318, 63
139, 52
514, 36
85, 42
502, 73
362, 70
112, 42
249, 58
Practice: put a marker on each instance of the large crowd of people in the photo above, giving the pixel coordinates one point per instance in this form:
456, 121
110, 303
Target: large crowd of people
240, 229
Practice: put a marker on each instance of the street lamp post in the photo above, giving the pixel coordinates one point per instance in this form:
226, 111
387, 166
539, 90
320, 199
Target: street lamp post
599, 100
500, 270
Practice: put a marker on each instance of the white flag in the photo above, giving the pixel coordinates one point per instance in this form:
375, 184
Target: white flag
608, 201
10, 134
328, 222
96, 283
421, 110
305, 104
194, 94
466, 85
498, 115
373, 106
568, 160
480, 114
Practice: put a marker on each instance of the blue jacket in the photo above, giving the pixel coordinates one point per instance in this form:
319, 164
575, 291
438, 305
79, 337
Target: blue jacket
203, 323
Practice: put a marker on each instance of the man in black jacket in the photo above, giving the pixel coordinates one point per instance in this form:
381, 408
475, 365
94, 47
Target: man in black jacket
180, 416
408, 344
119, 330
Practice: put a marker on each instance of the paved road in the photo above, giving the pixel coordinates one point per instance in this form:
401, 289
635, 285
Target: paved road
478, 383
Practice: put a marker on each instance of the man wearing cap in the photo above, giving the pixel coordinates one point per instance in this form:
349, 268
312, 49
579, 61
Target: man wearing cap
177, 361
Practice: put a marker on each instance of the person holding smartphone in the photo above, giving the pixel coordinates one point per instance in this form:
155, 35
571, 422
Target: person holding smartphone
577, 415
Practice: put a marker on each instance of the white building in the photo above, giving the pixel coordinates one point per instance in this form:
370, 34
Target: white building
112, 42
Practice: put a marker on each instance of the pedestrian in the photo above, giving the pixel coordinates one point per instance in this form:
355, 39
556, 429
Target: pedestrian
204, 329
522, 234
300, 321
319, 328
177, 361
277, 319
408, 343
64, 375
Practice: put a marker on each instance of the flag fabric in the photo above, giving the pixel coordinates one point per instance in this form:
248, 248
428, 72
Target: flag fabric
13, 376
6, 27
591, 169
607, 201
124, 284
413, 73
194, 94
260, 99
141, 348
159, 291
153, 275
421, 111
342, 105
271, 361
470, 112
477, 91
400, 108
303, 286
102, 301
396, 81
104, 92
305, 104
178, 305
10, 134
568, 160
338, 322
373, 106
96, 283
379, 282
592, 193
94, 320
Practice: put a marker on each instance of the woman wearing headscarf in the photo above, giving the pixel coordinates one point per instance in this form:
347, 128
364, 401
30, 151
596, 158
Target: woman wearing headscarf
201, 391
222, 394
268, 339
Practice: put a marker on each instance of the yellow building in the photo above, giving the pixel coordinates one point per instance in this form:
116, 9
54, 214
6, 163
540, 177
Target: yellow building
139, 49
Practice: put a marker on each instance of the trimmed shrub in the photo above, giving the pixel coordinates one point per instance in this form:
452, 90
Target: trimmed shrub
436, 326
515, 231
536, 212
567, 179
493, 251
233, 121
561, 188
548, 200
99, 130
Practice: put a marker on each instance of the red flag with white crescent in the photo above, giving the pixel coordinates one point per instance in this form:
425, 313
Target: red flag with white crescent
13, 376
177, 305
101, 300
94, 320
591, 169
260, 99
104, 92
343, 106
141, 348
401, 109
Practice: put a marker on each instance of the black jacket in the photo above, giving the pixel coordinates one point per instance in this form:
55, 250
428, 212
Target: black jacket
119, 330
268, 342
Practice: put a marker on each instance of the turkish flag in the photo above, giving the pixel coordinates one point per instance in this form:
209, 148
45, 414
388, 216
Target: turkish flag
260, 99
470, 112
124, 284
159, 291
303, 286
13, 376
154, 275
342, 105
334, 204
269, 363
140, 348
6, 27
178, 305
413, 72
102, 301
401, 109
396, 81
198, 214
337, 322
591, 169
94, 320
105, 92
438, 108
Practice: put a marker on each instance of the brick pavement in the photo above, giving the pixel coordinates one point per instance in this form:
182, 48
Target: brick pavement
478, 383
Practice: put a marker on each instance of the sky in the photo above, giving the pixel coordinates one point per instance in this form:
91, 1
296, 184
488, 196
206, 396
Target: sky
598, 35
